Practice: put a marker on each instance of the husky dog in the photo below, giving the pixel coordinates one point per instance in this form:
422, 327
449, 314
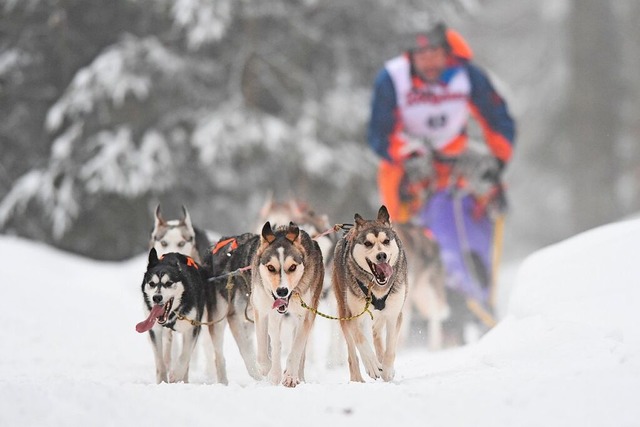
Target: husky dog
300, 213
370, 263
175, 298
178, 235
426, 279
286, 269
233, 288
292, 210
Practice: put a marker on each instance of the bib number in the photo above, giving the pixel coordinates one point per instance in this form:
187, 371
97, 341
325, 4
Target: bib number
437, 121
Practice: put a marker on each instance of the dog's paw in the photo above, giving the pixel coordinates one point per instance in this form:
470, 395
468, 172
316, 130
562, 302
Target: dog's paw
275, 376
161, 377
255, 373
388, 373
373, 368
178, 376
290, 380
264, 366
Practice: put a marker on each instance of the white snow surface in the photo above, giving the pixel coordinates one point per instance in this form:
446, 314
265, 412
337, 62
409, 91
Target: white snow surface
566, 353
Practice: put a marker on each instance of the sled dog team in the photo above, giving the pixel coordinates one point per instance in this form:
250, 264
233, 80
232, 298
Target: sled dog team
257, 283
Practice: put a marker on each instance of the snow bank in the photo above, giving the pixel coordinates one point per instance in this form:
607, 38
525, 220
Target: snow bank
567, 353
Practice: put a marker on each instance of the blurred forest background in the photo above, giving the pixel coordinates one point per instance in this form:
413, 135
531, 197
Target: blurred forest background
110, 107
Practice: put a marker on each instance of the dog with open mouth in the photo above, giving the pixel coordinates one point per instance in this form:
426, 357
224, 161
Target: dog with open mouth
370, 263
287, 269
175, 297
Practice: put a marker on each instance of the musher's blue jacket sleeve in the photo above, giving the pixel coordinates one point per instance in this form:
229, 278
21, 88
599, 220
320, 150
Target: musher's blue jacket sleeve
383, 115
492, 113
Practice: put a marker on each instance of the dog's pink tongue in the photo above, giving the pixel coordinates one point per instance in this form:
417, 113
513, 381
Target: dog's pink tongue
279, 303
385, 268
148, 323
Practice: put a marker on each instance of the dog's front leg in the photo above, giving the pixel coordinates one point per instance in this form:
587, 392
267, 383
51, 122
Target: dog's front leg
354, 363
275, 324
295, 362
241, 331
378, 342
181, 372
262, 342
216, 331
371, 364
155, 336
167, 344
393, 331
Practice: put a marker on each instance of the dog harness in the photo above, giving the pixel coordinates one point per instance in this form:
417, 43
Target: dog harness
377, 303
190, 261
221, 244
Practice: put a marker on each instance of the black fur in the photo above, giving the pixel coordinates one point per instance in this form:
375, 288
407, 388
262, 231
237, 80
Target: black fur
221, 259
197, 294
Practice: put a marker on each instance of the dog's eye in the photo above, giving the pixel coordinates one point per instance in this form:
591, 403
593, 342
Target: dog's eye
368, 244
164, 243
271, 268
168, 284
386, 242
181, 244
293, 267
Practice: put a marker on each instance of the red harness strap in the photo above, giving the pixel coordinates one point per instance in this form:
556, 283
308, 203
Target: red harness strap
190, 261
221, 244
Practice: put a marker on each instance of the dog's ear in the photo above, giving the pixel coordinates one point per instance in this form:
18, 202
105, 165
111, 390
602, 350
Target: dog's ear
159, 219
359, 220
267, 205
383, 215
294, 206
153, 258
267, 233
292, 232
186, 218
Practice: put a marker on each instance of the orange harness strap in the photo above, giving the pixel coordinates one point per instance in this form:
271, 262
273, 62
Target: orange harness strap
190, 261
221, 244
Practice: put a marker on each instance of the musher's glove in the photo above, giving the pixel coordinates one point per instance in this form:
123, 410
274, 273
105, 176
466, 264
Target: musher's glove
417, 167
494, 174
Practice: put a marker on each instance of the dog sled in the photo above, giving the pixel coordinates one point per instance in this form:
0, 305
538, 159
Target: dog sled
475, 198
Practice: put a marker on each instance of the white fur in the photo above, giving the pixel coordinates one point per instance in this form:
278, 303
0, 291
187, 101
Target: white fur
162, 352
269, 323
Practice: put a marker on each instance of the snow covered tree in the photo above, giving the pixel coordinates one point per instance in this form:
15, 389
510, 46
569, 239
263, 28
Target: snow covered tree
110, 108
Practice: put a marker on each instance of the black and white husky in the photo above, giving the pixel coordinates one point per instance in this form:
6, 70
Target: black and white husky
181, 236
175, 297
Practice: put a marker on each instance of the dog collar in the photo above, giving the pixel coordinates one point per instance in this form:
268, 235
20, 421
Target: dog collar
377, 303
171, 320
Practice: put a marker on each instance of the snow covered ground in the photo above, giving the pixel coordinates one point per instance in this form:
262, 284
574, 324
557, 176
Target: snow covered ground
566, 353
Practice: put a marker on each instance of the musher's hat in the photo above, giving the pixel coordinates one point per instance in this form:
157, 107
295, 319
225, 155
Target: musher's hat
433, 38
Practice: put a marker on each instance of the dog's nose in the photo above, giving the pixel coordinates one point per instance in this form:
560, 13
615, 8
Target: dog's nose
157, 298
381, 257
282, 292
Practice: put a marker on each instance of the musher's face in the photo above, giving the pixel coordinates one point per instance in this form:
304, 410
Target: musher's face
430, 62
